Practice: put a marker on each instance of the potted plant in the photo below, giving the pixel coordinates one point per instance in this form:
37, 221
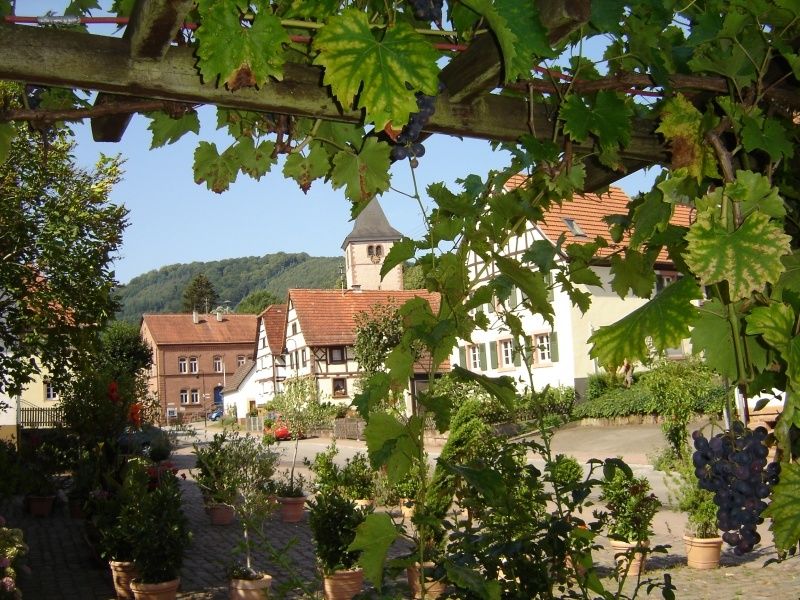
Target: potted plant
40, 492
333, 520
215, 477
159, 534
12, 556
253, 464
703, 544
631, 509
289, 490
358, 480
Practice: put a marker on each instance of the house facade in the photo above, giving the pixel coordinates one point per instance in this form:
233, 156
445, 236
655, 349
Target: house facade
270, 365
558, 354
241, 392
193, 355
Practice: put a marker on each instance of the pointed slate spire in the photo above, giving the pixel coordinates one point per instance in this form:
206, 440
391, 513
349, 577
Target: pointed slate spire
372, 226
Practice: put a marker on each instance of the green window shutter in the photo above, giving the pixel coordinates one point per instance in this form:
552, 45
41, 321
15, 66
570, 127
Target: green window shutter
548, 279
482, 349
493, 354
517, 354
554, 347
462, 357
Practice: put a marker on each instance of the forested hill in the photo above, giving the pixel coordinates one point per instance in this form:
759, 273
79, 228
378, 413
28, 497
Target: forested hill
233, 279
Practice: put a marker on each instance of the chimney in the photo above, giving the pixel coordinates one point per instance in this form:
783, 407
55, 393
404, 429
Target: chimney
356, 288
195, 317
219, 316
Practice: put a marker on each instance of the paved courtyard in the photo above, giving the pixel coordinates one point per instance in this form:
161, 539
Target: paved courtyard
63, 568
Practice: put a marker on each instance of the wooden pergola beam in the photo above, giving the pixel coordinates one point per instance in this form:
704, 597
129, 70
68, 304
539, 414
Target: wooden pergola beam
64, 58
149, 33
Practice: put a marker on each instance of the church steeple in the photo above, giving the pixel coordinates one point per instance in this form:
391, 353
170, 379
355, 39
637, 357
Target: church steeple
365, 248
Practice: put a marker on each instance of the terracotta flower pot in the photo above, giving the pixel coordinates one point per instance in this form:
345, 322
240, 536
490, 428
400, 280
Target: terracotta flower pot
364, 502
41, 506
638, 560
292, 509
220, 514
166, 590
343, 585
433, 588
122, 572
250, 589
703, 553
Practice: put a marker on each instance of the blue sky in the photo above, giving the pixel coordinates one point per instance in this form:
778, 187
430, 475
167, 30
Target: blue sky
174, 220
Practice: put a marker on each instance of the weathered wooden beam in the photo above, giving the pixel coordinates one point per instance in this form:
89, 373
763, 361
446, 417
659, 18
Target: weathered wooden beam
150, 31
74, 59
479, 69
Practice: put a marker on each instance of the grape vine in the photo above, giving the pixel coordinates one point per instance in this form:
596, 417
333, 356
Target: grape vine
733, 465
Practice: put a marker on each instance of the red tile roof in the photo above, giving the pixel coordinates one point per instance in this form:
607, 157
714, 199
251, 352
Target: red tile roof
179, 329
587, 211
274, 319
327, 317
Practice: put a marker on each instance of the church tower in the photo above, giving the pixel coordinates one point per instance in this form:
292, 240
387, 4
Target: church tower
365, 249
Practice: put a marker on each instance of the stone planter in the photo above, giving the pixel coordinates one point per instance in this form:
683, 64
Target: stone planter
638, 559
250, 589
292, 509
433, 588
343, 585
166, 590
122, 573
40, 506
220, 514
703, 553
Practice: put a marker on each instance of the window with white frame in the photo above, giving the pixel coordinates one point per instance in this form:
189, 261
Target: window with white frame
184, 396
336, 354
192, 364
50, 392
217, 364
474, 354
541, 348
172, 413
339, 387
182, 365
195, 396
506, 352
240, 360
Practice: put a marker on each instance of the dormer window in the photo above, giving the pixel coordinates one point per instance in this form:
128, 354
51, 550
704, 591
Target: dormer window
573, 226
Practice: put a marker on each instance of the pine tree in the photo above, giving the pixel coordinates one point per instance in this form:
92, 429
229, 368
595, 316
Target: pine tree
200, 295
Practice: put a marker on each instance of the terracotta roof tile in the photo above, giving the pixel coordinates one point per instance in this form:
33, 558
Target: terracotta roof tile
327, 317
274, 319
587, 212
179, 329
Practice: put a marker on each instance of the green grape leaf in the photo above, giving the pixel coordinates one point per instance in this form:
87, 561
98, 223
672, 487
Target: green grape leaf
755, 192
790, 278
682, 126
123, 8
766, 134
305, 169
747, 258
389, 443
240, 56
399, 253
501, 388
7, 133
472, 580
81, 8
577, 117
373, 538
216, 170
612, 118
664, 320
167, 130
606, 15
364, 174
650, 216
522, 19
782, 509
318, 10
356, 63
253, 160
712, 336
774, 322
531, 283
503, 33
634, 272
374, 390
792, 357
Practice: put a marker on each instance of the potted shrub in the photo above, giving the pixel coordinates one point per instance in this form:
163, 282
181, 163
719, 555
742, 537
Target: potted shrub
333, 520
215, 476
159, 534
703, 544
631, 509
253, 464
358, 480
327, 474
289, 490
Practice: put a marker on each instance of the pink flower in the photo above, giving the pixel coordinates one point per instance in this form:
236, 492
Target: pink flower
8, 584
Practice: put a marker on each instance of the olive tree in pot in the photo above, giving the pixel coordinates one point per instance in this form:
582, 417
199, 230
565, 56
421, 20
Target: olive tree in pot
215, 476
252, 462
333, 520
631, 509
703, 544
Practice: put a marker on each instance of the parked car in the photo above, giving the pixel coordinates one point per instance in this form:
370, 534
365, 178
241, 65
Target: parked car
139, 441
216, 414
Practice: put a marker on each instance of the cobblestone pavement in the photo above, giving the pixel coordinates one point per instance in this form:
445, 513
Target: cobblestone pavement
63, 567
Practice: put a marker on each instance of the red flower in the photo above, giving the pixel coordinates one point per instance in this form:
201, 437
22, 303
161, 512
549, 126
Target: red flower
135, 415
113, 391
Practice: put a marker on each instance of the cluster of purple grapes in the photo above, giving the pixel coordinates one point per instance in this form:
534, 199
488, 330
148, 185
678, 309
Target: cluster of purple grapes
406, 145
428, 10
733, 465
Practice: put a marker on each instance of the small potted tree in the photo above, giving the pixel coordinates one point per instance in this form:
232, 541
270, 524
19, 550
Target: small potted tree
289, 490
254, 464
333, 520
215, 477
358, 480
631, 509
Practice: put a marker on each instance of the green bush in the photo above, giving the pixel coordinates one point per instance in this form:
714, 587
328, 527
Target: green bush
358, 478
333, 520
631, 506
620, 402
564, 470
551, 401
